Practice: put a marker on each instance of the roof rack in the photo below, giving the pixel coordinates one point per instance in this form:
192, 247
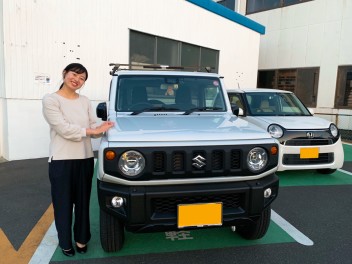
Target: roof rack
117, 66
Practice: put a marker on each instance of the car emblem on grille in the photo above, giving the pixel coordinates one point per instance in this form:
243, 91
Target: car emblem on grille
198, 162
310, 135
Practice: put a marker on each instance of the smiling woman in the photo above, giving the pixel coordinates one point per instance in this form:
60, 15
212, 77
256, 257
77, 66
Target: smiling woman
71, 161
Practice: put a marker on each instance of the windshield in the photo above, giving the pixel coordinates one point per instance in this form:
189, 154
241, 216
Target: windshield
275, 104
141, 93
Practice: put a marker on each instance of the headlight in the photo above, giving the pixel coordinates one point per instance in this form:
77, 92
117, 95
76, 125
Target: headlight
275, 131
334, 130
131, 163
257, 159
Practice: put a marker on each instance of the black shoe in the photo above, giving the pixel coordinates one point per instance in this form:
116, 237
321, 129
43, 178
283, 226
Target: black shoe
81, 250
69, 252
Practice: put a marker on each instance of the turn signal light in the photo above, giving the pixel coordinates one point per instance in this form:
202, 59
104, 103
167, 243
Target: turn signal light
273, 150
110, 155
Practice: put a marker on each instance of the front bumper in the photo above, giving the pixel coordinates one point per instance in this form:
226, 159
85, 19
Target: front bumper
154, 208
330, 157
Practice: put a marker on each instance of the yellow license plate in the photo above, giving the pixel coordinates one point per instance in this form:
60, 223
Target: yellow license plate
309, 153
207, 214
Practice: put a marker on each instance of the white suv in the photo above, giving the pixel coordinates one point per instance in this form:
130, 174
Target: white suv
306, 141
178, 158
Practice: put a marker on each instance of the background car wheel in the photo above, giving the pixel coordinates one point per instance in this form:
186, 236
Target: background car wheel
326, 171
112, 233
257, 229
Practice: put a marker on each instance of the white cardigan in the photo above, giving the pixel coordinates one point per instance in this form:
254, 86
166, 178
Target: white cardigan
68, 120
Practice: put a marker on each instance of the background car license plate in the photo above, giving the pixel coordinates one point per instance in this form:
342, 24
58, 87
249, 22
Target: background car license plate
206, 214
309, 153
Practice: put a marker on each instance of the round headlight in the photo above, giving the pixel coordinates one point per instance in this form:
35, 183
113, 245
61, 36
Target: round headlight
257, 159
334, 130
275, 131
131, 163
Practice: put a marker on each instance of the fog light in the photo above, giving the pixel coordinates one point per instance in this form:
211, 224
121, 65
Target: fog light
117, 201
267, 193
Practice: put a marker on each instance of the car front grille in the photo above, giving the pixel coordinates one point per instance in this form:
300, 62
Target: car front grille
165, 163
308, 142
219, 160
168, 205
294, 159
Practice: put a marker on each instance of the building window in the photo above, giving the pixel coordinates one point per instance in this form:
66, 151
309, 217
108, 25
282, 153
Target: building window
343, 98
149, 49
209, 58
302, 81
167, 52
142, 48
190, 55
231, 4
254, 6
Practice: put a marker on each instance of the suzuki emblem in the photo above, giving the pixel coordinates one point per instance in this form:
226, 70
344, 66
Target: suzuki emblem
198, 162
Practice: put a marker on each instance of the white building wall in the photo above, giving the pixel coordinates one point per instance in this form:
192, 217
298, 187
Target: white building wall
42, 37
3, 115
313, 34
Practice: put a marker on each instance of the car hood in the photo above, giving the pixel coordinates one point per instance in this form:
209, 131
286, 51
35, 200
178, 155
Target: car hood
294, 122
173, 128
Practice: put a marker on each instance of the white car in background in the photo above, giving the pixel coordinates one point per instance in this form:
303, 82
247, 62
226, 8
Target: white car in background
306, 141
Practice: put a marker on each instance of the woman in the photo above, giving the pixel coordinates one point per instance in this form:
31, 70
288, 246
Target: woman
71, 160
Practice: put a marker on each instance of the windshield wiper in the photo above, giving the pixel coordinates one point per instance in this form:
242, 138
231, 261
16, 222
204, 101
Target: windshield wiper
159, 108
206, 108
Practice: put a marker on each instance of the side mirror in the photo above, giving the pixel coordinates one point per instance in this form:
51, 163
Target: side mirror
235, 109
102, 111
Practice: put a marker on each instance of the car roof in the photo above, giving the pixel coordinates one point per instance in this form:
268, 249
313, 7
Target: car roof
257, 90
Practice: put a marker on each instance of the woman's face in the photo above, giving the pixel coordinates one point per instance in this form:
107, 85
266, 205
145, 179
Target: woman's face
74, 80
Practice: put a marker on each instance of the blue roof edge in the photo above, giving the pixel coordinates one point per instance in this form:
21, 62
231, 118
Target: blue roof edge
229, 14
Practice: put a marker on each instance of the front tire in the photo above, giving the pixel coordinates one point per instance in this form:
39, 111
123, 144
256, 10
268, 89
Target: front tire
257, 229
112, 233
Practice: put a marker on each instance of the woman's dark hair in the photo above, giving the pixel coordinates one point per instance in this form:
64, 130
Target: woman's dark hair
77, 68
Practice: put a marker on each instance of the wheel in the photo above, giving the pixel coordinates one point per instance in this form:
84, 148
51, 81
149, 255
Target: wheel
140, 106
112, 233
326, 171
257, 229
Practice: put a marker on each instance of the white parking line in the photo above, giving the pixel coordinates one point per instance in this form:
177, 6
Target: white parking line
347, 172
47, 247
291, 230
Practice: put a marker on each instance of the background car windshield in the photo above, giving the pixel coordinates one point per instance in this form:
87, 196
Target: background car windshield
169, 93
275, 104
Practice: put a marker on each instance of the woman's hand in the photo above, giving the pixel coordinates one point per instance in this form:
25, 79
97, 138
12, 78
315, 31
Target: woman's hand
105, 126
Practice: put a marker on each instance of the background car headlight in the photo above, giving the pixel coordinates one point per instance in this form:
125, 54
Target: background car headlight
131, 163
275, 131
334, 130
257, 158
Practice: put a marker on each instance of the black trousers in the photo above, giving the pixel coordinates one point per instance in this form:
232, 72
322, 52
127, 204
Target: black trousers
71, 184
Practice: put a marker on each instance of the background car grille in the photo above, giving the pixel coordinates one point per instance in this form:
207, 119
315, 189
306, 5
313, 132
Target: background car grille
294, 159
308, 142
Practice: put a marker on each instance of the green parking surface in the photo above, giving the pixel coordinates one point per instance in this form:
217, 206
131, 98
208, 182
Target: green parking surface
146, 243
347, 149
